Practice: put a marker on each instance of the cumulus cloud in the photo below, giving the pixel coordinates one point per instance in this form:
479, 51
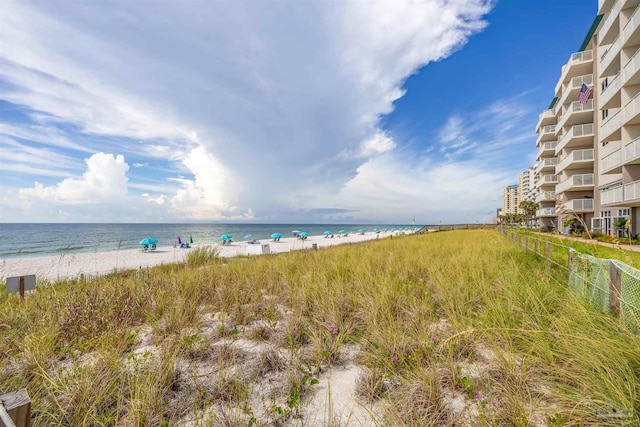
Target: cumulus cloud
255, 103
105, 181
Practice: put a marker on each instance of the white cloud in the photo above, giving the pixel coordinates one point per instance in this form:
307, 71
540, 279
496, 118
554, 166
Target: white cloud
256, 101
105, 181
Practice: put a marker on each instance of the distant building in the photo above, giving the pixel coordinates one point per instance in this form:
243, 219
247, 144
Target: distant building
511, 201
526, 185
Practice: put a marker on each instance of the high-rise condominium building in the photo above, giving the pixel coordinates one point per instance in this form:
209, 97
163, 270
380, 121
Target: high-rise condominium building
526, 182
588, 159
511, 201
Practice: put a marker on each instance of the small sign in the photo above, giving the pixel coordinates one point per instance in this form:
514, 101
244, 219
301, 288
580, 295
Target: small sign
28, 283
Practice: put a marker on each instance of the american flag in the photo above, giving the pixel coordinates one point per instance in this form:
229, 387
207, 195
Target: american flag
585, 93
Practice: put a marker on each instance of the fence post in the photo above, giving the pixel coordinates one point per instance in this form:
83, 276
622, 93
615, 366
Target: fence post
615, 285
569, 260
526, 243
535, 246
548, 255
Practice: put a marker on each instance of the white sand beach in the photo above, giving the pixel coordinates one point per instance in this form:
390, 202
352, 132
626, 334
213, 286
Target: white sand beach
51, 268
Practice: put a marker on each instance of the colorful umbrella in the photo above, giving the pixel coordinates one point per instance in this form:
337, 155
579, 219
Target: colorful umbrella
327, 232
304, 234
148, 241
190, 239
226, 237
362, 231
341, 231
179, 241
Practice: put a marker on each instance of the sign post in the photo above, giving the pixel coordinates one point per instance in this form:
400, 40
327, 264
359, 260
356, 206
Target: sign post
21, 284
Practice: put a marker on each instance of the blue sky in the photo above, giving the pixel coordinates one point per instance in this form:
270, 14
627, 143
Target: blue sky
274, 111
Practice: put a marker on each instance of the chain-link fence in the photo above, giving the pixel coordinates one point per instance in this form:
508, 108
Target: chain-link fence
610, 285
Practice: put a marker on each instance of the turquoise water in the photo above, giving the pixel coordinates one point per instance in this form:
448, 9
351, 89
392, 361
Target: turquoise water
26, 240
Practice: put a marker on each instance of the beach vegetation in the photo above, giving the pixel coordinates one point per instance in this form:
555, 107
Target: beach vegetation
452, 328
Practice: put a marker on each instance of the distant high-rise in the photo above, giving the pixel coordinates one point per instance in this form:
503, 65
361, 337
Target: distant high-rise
510, 202
526, 182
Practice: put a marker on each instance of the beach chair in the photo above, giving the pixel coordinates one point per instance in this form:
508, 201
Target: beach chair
145, 248
153, 247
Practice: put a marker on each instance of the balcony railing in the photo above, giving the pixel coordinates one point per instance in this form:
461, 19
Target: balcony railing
612, 87
611, 196
632, 108
581, 180
632, 150
573, 157
631, 67
612, 16
546, 196
546, 212
575, 107
548, 129
574, 132
611, 161
544, 163
610, 52
613, 123
632, 191
579, 205
630, 26
547, 179
547, 146
575, 83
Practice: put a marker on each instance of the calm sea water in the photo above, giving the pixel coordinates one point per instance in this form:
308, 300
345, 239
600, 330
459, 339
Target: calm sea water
26, 240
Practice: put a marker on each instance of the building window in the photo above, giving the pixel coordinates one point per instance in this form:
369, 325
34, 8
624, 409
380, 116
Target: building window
605, 114
624, 212
605, 83
605, 143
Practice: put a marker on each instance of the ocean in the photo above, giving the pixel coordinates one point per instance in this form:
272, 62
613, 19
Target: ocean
29, 240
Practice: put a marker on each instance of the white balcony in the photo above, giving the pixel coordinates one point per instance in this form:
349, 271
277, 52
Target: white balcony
579, 205
612, 196
579, 63
611, 126
546, 212
632, 191
632, 111
546, 133
632, 152
546, 196
574, 86
630, 28
576, 182
547, 117
610, 54
630, 71
547, 180
578, 159
572, 116
577, 135
547, 149
546, 164
612, 163
612, 89
612, 18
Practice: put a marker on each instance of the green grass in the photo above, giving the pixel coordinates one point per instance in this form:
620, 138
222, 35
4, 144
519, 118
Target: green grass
459, 314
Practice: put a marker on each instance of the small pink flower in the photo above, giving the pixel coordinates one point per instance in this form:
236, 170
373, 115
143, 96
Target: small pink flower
393, 359
147, 340
334, 329
478, 396
159, 339
433, 339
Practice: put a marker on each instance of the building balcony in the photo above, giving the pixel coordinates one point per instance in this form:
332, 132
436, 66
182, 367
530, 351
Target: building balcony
579, 205
579, 135
547, 164
577, 113
612, 163
547, 133
631, 155
576, 183
631, 71
611, 23
547, 117
632, 111
546, 212
579, 63
578, 159
610, 129
610, 95
610, 59
631, 30
632, 193
547, 149
612, 196
547, 180
546, 196
573, 88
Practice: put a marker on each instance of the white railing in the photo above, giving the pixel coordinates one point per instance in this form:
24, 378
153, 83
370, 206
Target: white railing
630, 26
546, 212
545, 196
575, 156
575, 83
632, 191
632, 108
580, 180
632, 150
575, 107
546, 146
609, 53
613, 86
547, 179
611, 196
575, 131
631, 67
579, 205
612, 16
549, 129
611, 161
546, 114
613, 123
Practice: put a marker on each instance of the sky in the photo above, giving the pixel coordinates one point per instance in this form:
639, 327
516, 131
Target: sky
274, 111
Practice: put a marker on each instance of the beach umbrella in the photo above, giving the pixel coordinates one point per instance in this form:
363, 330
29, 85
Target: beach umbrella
179, 241
362, 230
148, 241
248, 235
190, 239
385, 229
377, 230
327, 232
304, 234
295, 232
226, 237
276, 236
341, 231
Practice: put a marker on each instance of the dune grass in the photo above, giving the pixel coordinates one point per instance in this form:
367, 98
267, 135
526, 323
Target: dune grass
452, 328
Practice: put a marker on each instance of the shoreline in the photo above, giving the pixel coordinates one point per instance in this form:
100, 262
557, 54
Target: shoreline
66, 266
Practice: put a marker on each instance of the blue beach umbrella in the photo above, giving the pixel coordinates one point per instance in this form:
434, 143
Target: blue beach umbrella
276, 236
304, 234
341, 231
148, 241
248, 235
377, 230
362, 231
295, 232
327, 232
226, 237
385, 229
